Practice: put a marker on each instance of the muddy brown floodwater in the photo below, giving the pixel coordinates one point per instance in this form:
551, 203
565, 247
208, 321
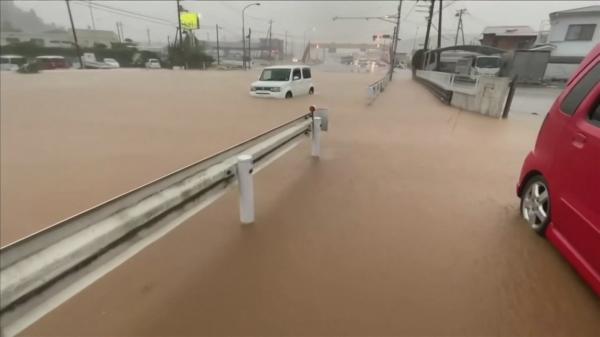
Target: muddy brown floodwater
407, 225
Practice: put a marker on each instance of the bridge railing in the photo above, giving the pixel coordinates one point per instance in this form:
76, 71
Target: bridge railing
43, 270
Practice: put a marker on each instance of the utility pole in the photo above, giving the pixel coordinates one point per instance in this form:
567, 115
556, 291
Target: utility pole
118, 31
148, 33
285, 46
395, 41
218, 57
459, 27
270, 38
415, 39
439, 41
179, 24
426, 45
249, 47
91, 14
122, 32
74, 35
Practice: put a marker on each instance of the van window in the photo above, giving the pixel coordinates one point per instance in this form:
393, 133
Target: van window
306, 72
580, 91
296, 73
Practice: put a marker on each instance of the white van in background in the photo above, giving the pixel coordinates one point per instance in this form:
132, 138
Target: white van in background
283, 82
11, 62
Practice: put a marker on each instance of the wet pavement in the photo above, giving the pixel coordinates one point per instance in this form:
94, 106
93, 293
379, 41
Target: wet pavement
407, 225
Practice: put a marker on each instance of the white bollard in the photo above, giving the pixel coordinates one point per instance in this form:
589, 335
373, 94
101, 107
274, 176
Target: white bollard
244, 173
316, 137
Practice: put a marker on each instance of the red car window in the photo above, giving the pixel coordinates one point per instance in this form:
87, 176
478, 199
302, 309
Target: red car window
581, 90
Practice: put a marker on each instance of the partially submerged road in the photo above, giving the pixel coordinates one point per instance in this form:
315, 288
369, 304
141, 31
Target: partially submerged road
407, 225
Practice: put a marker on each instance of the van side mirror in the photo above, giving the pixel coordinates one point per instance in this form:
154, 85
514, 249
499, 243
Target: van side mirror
296, 78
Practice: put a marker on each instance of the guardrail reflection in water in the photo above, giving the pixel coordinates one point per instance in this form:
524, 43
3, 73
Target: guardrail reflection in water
45, 269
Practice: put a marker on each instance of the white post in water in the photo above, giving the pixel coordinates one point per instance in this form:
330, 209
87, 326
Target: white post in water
244, 173
316, 137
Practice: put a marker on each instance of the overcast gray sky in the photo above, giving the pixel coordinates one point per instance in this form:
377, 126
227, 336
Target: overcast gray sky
299, 17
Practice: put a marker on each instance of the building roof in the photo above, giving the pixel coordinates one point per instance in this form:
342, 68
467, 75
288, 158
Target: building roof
510, 30
587, 9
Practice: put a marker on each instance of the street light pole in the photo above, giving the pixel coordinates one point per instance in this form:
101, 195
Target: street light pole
244, 33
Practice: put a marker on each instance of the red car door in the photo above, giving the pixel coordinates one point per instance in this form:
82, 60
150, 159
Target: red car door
576, 171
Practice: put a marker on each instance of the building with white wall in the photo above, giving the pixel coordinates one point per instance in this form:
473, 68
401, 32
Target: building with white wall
573, 33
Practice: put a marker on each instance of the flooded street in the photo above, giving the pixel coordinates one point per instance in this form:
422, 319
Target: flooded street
407, 225
71, 139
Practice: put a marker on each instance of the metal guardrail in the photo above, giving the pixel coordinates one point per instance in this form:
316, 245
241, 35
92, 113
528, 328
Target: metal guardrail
45, 269
452, 82
377, 87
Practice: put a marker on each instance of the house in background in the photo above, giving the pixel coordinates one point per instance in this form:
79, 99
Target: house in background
509, 37
573, 33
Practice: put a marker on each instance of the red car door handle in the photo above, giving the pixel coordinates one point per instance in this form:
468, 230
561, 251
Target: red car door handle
579, 140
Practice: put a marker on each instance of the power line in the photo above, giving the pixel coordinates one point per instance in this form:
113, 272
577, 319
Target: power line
127, 15
131, 12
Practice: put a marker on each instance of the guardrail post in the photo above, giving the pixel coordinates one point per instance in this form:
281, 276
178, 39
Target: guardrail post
244, 174
316, 137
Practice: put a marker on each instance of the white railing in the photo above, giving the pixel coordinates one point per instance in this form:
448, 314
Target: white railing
452, 82
41, 271
377, 87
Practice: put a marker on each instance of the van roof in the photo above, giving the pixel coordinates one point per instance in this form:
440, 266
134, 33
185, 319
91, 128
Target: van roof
50, 57
12, 56
288, 66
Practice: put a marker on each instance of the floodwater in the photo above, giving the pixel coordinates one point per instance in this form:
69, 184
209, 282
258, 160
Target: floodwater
407, 225
72, 139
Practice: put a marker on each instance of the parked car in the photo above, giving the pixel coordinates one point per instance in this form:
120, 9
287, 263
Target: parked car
112, 63
49, 62
153, 64
11, 62
283, 82
559, 184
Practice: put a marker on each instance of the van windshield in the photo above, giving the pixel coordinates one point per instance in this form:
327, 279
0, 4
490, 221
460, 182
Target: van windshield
275, 75
488, 62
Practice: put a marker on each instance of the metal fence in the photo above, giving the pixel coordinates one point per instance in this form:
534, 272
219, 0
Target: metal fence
453, 82
41, 271
377, 87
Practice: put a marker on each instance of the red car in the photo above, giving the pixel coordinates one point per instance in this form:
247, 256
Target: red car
559, 185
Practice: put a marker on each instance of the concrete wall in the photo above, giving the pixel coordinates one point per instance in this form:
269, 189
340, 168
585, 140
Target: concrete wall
559, 71
488, 100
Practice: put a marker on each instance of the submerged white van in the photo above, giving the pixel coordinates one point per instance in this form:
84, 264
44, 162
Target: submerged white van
283, 82
11, 62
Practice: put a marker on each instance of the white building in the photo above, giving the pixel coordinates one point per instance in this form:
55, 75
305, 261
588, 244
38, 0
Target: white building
573, 33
